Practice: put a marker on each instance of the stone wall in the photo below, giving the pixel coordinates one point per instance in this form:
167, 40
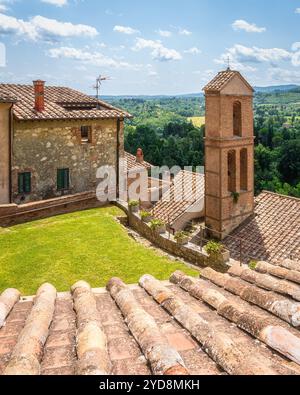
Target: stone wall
13, 214
43, 147
190, 253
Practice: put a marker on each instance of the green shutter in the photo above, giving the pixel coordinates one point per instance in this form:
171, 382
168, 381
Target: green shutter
20, 182
27, 182
24, 182
66, 179
62, 179
59, 180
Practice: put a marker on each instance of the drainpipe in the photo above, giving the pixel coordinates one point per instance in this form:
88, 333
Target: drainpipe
118, 157
10, 151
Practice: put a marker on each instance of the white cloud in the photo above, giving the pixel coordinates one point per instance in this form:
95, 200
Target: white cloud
41, 28
164, 33
159, 52
239, 55
284, 76
185, 32
57, 3
297, 11
193, 51
3, 5
240, 24
88, 57
125, 30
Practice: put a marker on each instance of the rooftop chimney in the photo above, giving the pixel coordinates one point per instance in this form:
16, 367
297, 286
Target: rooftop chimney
39, 94
140, 155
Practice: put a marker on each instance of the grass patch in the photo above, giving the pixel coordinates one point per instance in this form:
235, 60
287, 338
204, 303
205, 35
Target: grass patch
197, 121
88, 245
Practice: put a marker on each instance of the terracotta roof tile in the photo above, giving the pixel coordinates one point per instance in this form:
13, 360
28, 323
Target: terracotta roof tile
188, 187
60, 104
132, 163
221, 79
273, 233
138, 329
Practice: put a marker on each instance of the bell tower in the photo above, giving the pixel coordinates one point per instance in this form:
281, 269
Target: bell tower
229, 153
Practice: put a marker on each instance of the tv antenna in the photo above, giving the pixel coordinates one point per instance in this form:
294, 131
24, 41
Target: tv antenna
99, 82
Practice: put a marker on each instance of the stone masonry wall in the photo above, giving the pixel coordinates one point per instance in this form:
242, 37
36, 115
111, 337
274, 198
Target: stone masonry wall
13, 214
191, 253
43, 147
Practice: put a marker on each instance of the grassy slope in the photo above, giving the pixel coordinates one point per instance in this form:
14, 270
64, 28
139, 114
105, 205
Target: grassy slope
88, 245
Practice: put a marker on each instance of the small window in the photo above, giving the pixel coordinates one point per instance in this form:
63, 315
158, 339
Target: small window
244, 169
86, 134
24, 182
63, 179
231, 171
237, 119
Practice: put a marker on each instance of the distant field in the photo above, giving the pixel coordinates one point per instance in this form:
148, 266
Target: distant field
197, 121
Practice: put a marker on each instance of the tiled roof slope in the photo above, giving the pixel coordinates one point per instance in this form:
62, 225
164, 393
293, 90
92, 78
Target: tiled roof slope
243, 322
187, 184
132, 163
222, 79
60, 104
273, 233
4, 98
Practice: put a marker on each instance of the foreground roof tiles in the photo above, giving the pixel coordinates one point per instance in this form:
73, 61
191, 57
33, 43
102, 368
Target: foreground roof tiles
186, 190
60, 104
243, 322
273, 233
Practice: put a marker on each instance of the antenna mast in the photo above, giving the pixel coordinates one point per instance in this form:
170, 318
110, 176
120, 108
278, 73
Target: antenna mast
99, 81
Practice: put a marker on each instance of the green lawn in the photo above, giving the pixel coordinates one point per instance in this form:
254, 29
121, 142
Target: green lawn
88, 245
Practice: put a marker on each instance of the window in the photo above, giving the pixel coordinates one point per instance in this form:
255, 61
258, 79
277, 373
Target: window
244, 169
63, 179
231, 171
24, 182
86, 134
237, 119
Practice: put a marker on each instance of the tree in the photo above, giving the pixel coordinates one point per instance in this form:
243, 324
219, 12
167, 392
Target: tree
289, 163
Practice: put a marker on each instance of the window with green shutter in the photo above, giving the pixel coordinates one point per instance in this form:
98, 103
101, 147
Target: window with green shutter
24, 182
63, 177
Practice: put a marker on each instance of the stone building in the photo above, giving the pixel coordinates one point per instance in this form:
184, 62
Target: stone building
53, 140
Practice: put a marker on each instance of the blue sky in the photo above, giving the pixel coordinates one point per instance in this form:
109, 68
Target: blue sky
148, 47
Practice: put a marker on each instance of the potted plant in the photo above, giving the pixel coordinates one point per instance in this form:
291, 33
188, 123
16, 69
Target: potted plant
134, 206
158, 226
146, 216
182, 238
217, 251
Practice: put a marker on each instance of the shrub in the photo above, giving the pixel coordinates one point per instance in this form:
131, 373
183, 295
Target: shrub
145, 214
253, 265
181, 235
214, 248
133, 203
156, 224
